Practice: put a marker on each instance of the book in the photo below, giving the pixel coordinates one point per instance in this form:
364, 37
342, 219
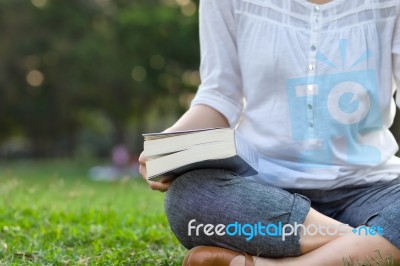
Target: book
173, 153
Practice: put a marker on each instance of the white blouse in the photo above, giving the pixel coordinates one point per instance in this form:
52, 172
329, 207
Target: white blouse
311, 86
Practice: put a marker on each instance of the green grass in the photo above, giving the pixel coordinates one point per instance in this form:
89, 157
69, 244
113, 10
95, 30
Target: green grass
377, 260
52, 214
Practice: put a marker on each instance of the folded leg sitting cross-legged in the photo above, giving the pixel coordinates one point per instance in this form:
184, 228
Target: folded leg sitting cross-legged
210, 196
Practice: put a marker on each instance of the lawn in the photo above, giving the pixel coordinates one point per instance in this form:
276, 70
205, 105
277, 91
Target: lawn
51, 213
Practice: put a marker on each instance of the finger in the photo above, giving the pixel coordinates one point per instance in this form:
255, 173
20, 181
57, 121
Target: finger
167, 179
143, 170
159, 186
142, 158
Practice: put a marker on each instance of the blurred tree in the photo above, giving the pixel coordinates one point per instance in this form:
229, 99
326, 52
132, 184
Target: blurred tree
124, 58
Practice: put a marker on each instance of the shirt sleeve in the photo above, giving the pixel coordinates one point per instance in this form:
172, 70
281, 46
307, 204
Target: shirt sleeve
396, 57
221, 82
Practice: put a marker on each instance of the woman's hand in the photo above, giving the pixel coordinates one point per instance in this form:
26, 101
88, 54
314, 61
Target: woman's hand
161, 185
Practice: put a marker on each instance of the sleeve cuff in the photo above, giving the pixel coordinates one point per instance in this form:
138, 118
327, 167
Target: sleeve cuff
232, 111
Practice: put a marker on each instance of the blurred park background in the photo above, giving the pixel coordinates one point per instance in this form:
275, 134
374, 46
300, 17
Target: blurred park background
78, 77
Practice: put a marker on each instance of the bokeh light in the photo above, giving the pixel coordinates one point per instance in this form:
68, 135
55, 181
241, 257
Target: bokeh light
182, 2
191, 78
157, 61
189, 9
139, 73
35, 78
39, 3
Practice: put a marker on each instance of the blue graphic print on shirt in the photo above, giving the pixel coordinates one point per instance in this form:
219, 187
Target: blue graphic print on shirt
334, 111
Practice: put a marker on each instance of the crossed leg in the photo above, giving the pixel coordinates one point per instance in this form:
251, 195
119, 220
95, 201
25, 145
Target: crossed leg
218, 197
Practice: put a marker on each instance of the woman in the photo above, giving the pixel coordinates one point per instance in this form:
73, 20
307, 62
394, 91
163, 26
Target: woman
309, 84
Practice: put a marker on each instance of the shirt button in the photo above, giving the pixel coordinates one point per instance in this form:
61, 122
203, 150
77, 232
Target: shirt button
316, 9
311, 125
310, 106
311, 66
310, 88
313, 48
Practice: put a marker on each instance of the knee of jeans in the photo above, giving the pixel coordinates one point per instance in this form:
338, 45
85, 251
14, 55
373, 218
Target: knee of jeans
188, 191
179, 213
179, 206
182, 203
